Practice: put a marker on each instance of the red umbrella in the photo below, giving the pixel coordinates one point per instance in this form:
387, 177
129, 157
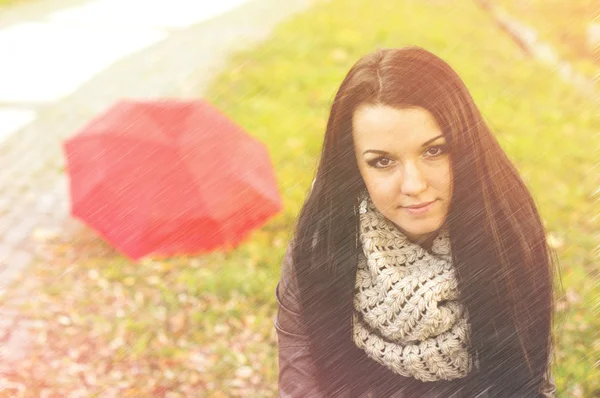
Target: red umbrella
169, 177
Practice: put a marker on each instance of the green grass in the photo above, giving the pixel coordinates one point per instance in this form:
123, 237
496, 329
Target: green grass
8, 3
209, 319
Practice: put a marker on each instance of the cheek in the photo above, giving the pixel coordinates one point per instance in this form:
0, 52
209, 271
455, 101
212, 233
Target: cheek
443, 181
449, 183
383, 199
380, 189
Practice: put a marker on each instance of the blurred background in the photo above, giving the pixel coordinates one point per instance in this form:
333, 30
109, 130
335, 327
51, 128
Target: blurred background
79, 319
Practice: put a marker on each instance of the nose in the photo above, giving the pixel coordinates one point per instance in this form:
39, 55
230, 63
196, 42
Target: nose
413, 182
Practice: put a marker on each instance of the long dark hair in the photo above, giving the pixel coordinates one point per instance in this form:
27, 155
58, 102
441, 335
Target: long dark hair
503, 263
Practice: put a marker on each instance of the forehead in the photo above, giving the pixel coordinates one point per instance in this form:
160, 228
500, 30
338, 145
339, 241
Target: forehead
381, 127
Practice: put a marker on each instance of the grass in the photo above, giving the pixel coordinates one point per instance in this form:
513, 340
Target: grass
8, 3
563, 24
203, 325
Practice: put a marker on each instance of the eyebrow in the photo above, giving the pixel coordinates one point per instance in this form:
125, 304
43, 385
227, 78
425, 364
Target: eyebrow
380, 152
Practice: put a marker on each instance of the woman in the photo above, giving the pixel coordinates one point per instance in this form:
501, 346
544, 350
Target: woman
419, 265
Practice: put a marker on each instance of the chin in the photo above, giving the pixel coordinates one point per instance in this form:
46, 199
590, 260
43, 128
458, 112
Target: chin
423, 227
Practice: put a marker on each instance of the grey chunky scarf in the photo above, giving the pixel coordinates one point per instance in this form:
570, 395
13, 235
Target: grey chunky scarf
407, 316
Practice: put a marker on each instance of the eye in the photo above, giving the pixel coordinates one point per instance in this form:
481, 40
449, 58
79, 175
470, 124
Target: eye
436, 150
380, 162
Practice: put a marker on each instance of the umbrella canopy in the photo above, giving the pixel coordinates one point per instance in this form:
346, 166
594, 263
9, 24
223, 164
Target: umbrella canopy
169, 177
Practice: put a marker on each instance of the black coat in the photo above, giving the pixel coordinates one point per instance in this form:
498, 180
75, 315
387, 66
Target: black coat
297, 374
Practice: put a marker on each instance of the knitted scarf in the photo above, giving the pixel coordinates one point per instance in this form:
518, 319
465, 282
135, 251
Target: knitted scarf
406, 314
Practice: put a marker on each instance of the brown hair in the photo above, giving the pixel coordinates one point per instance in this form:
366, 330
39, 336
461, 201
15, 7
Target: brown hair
503, 263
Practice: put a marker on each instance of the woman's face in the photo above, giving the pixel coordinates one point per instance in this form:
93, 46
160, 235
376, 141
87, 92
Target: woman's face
403, 160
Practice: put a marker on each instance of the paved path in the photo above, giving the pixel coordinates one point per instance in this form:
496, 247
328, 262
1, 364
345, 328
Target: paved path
52, 55
71, 60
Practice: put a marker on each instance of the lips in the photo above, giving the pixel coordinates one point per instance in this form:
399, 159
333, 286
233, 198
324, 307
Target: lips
419, 205
419, 210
